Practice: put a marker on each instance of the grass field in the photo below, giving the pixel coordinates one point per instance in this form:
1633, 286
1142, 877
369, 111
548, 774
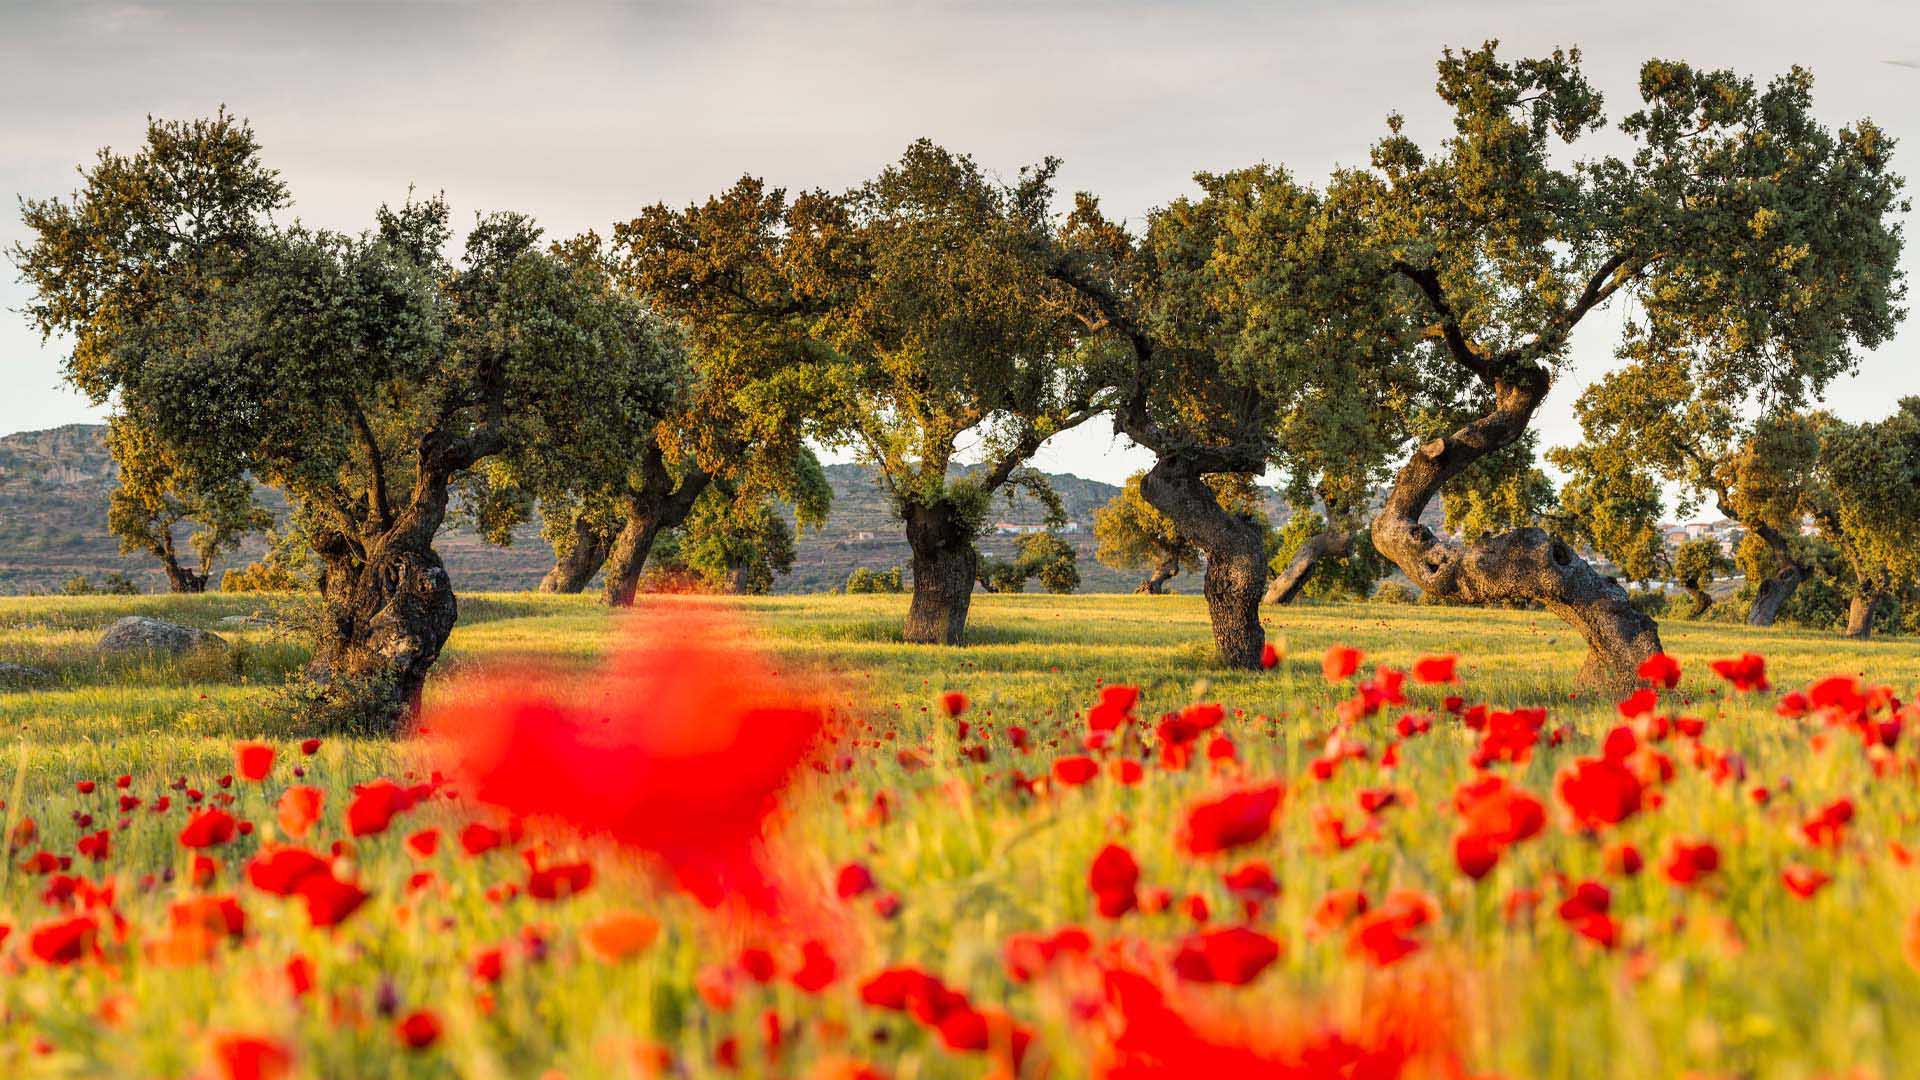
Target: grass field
1730, 974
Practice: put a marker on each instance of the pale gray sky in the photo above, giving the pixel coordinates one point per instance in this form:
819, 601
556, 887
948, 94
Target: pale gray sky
582, 114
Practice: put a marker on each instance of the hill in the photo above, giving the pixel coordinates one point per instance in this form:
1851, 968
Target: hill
53, 525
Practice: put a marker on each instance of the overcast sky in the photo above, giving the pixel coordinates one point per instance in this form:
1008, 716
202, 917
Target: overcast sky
582, 114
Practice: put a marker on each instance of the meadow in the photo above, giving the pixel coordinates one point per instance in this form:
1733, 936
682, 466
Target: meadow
1703, 882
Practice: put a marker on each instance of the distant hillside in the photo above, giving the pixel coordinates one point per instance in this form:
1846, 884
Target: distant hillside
53, 524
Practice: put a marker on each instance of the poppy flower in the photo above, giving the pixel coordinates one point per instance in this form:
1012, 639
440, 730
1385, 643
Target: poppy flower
817, 969
1075, 769
854, 879
1687, 863
424, 843
1339, 663
1435, 670
280, 870
64, 941
1747, 672
1660, 670
953, 702
559, 881
375, 804
477, 838
1113, 879
250, 1057
1804, 881
253, 760
1114, 709
210, 827
1599, 791
298, 809
328, 899
619, 934
1269, 656
418, 1030
1233, 955
1233, 820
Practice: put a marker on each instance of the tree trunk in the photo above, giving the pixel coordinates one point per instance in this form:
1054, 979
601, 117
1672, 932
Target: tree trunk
1166, 570
180, 579
571, 572
1702, 600
658, 503
1328, 543
1236, 564
1860, 613
1522, 565
945, 563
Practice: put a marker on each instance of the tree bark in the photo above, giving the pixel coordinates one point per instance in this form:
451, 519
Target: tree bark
1522, 565
1328, 543
945, 563
1860, 613
1164, 571
1702, 600
180, 579
1773, 593
1236, 565
571, 572
657, 504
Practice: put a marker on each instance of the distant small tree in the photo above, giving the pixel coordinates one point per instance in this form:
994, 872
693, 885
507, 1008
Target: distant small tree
157, 493
866, 580
1350, 574
77, 585
1612, 508
1130, 534
1048, 559
1867, 505
1695, 566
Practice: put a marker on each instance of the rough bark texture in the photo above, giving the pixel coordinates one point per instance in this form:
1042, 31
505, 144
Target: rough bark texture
571, 572
1164, 571
180, 579
389, 605
658, 503
1860, 614
1522, 565
1773, 593
1326, 544
1236, 558
945, 563
1702, 600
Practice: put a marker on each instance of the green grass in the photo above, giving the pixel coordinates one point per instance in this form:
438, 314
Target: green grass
1811, 986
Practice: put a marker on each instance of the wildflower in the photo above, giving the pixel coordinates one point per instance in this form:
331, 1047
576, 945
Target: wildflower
253, 760
1232, 820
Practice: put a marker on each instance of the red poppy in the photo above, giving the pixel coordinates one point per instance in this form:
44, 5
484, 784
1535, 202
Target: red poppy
375, 804
253, 760
1114, 709
1232, 820
281, 870
854, 879
328, 899
64, 941
1234, 955
1660, 670
1075, 769
1599, 791
1804, 881
208, 828
559, 881
299, 808
418, 1029
250, 1057
1339, 663
1747, 672
817, 969
1687, 863
1269, 656
1113, 879
1434, 670
424, 843
477, 838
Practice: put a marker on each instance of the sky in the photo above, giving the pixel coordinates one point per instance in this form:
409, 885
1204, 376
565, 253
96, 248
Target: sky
581, 114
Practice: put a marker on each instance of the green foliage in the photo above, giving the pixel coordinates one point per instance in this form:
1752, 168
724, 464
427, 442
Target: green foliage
1501, 491
1129, 534
1698, 562
866, 580
1613, 507
1348, 576
1050, 560
730, 543
1867, 502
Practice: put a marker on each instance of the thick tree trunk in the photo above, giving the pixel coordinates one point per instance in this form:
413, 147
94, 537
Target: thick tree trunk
1328, 543
658, 503
945, 563
1166, 570
1773, 593
1522, 565
571, 572
1860, 613
1702, 600
1236, 563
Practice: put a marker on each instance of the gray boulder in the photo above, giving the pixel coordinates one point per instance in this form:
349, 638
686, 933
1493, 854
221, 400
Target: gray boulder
138, 633
18, 676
